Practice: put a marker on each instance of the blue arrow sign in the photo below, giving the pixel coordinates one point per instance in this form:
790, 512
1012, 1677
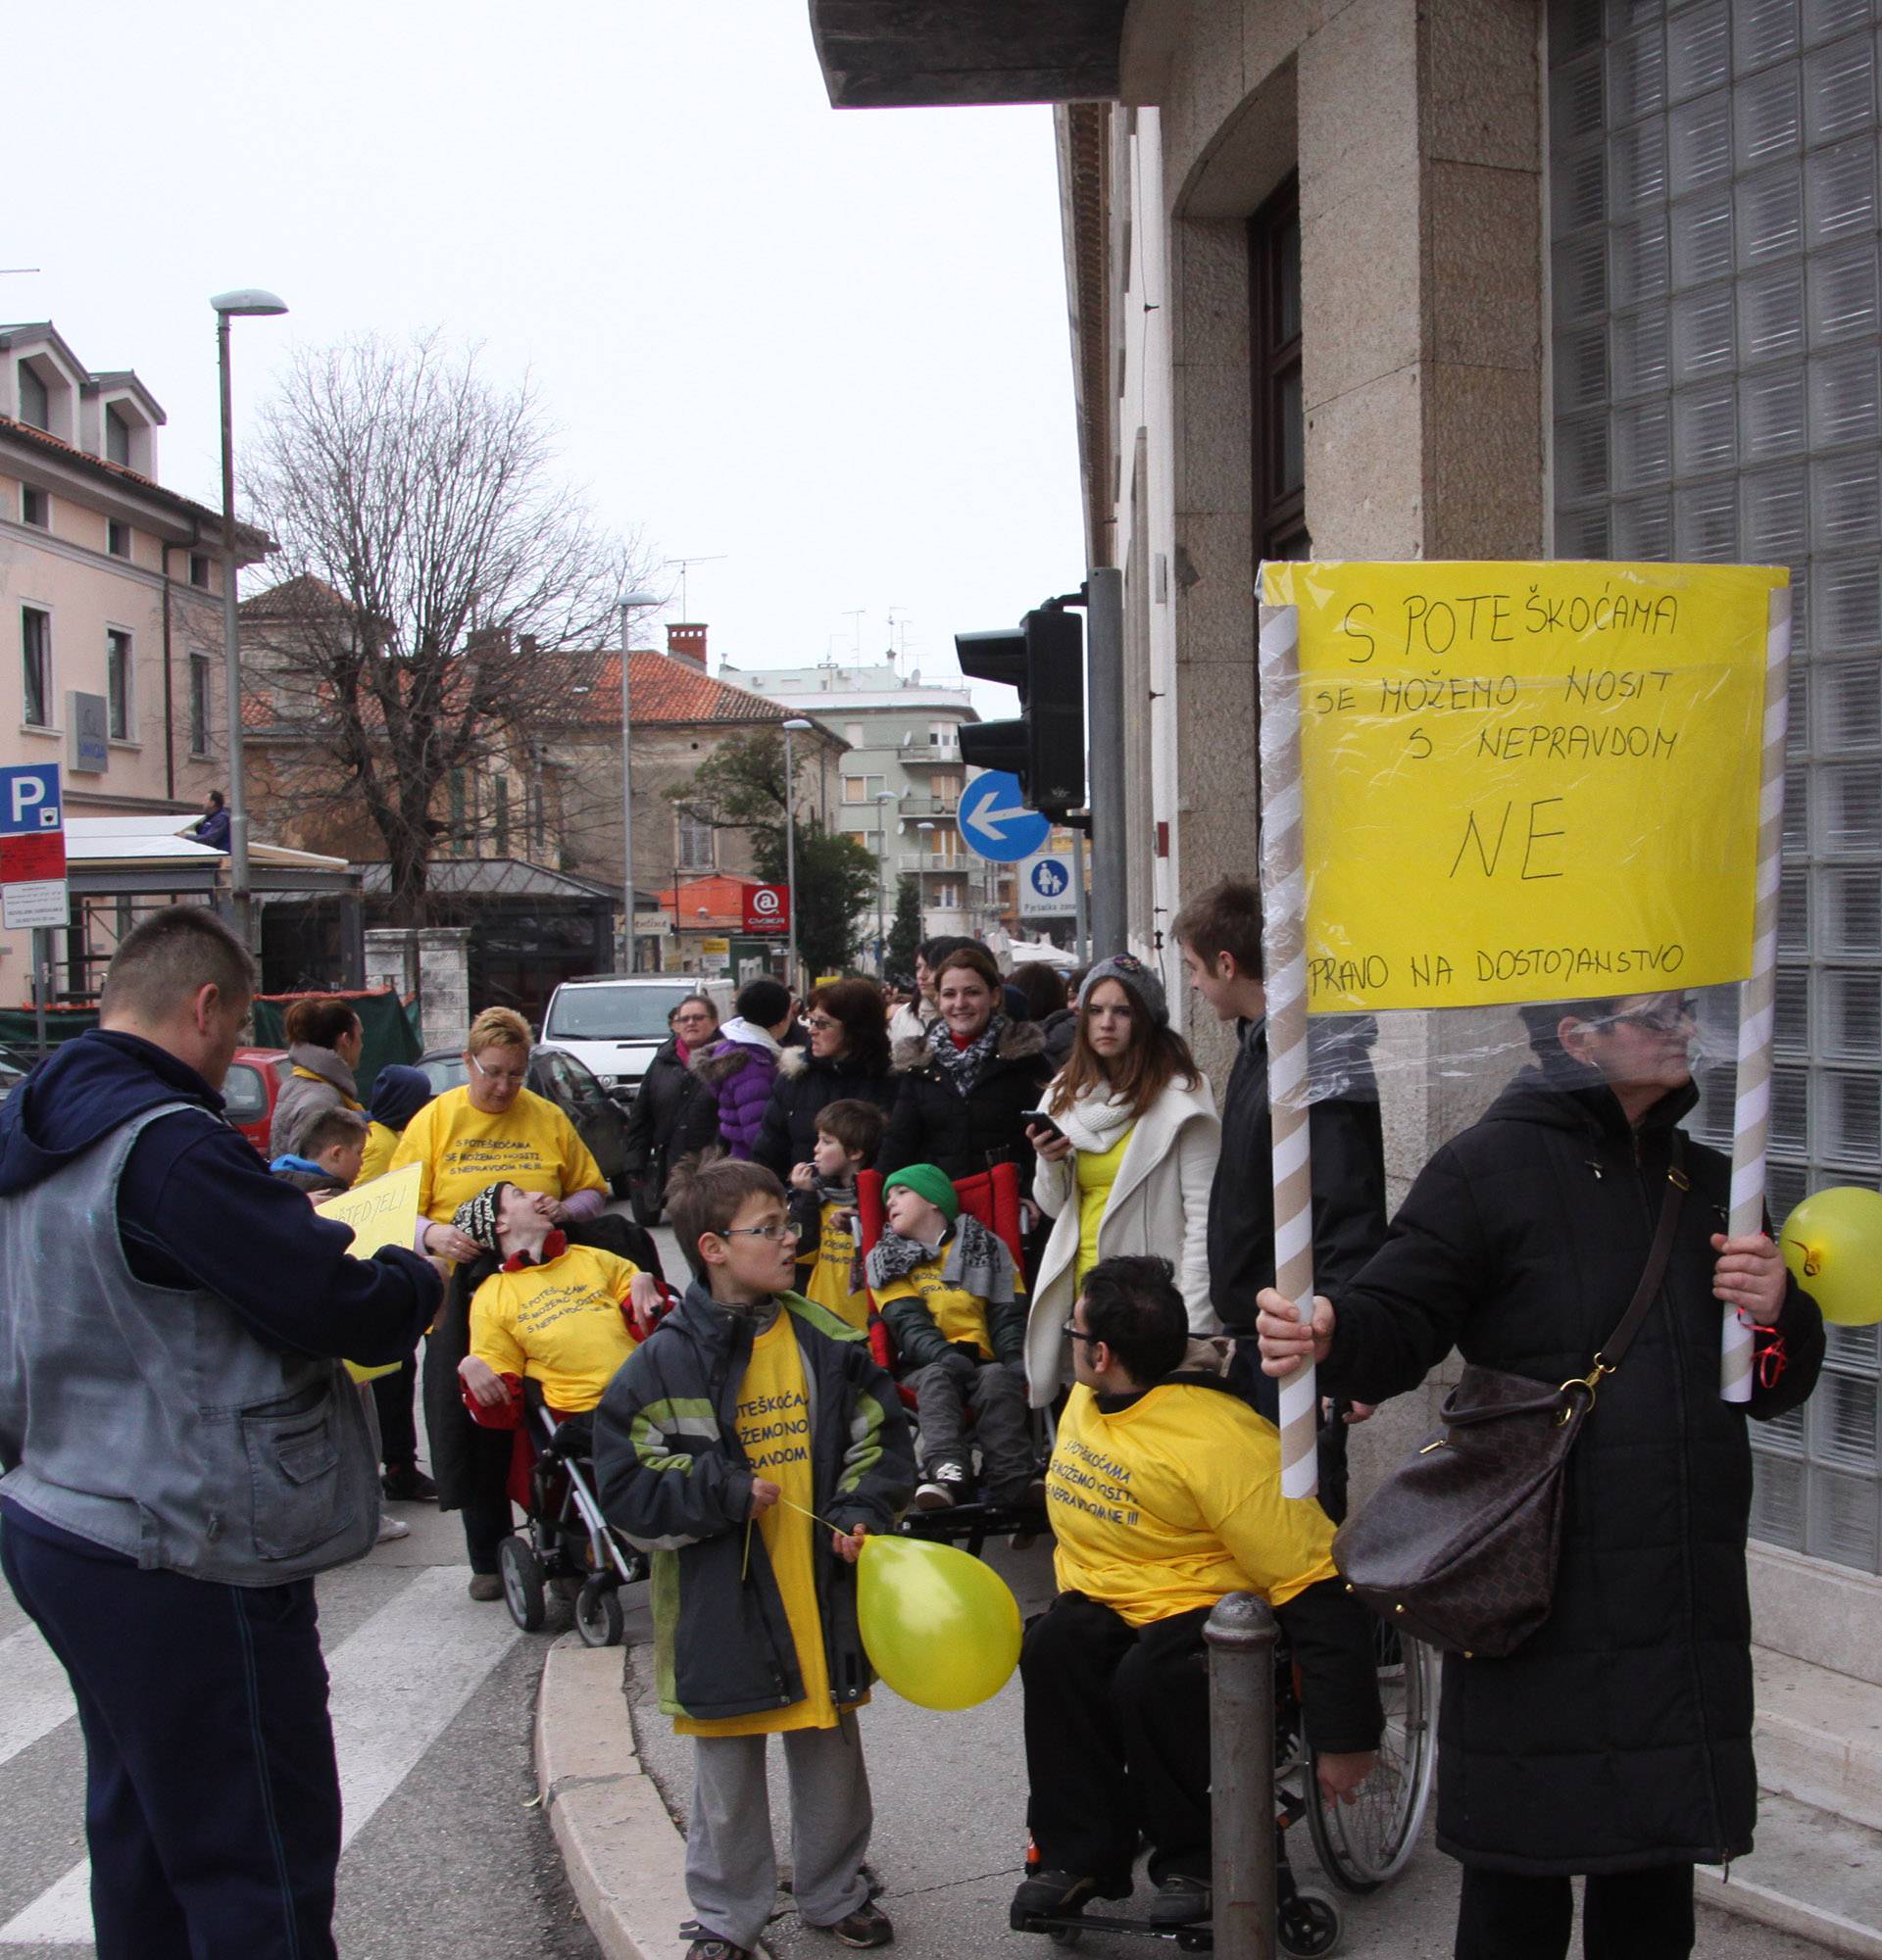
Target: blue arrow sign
29, 800
995, 820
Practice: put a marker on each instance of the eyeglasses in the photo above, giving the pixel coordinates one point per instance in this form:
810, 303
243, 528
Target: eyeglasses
1073, 1332
499, 1075
771, 1234
1666, 1019
820, 1024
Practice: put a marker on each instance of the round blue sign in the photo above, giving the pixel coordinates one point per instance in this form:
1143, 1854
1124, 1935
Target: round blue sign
995, 822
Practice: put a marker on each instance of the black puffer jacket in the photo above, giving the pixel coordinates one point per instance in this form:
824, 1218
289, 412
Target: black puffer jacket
805, 1083
934, 1123
673, 1115
1619, 1735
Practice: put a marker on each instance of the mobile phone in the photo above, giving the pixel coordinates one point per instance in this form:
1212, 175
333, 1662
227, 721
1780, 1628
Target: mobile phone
1037, 1119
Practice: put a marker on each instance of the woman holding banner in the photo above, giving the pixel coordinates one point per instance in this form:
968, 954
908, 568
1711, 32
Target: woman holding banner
1615, 1742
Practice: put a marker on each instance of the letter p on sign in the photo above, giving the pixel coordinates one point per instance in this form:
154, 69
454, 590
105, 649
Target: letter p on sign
31, 800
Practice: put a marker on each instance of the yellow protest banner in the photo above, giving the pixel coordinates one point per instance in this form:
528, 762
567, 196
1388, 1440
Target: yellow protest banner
1526, 782
385, 1212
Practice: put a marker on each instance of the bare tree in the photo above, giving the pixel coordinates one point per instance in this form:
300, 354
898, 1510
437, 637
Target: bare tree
428, 553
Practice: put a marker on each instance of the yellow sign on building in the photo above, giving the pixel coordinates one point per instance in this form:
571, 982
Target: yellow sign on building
1526, 782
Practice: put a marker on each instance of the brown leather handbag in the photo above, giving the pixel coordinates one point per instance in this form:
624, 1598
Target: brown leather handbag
1458, 1546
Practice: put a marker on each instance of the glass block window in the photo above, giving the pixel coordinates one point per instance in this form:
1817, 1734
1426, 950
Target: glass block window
1716, 347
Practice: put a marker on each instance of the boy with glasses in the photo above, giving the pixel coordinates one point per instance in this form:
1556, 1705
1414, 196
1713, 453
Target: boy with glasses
751, 1444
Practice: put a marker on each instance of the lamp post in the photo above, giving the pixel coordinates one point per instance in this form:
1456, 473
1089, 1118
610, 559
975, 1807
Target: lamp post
250, 302
630, 961
795, 726
883, 798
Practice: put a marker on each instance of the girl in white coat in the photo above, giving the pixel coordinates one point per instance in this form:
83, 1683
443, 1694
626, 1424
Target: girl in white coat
1131, 1166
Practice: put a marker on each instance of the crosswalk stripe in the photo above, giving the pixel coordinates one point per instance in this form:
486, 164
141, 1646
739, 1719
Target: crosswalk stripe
37, 1695
399, 1681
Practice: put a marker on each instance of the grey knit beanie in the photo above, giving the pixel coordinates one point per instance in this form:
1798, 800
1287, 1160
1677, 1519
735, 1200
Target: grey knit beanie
1137, 980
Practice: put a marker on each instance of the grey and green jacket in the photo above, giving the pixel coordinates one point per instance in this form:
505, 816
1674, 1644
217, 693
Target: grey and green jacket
674, 1479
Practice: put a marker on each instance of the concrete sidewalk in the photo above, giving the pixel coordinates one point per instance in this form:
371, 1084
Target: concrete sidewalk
950, 1796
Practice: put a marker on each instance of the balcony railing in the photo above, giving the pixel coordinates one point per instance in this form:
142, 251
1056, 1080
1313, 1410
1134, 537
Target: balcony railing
917, 753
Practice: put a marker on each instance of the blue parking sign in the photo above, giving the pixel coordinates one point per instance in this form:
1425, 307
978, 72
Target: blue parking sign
29, 800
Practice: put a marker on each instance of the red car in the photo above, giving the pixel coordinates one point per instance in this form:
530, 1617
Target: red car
249, 1090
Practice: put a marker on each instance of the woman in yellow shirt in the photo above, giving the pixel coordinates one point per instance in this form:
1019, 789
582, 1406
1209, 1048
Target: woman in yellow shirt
493, 1129
1128, 1167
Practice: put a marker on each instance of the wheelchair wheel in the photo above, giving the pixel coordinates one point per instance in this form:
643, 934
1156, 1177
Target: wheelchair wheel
1363, 1843
1308, 1925
522, 1573
598, 1616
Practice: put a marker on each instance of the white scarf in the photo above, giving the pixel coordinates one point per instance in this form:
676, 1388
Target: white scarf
1095, 1124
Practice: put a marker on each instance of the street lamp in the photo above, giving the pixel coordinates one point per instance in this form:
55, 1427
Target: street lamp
883, 798
630, 950
795, 726
250, 302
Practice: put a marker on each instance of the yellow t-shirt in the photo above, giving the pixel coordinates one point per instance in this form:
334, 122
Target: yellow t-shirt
1174, 1502
559, 1323
1094, 1175
828, 1284
959, 1315
773, 1423
380, 1146
532, 1145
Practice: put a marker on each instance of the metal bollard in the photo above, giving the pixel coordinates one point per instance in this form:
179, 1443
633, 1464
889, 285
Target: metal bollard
1241, 1633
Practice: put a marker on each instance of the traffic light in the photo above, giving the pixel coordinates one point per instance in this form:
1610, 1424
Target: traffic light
1044, 658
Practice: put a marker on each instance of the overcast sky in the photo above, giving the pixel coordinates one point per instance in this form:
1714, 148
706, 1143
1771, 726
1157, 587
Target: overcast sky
831, 348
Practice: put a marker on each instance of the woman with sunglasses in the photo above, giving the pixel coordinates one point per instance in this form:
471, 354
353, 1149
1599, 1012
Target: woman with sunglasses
848, 1060
491, 1129
1615, 1741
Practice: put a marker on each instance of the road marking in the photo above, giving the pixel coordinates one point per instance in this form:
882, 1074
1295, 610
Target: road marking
37, 1695
399, 1681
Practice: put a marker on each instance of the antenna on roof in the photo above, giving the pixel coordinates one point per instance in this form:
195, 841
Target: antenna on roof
896, 652
11, 271
856, 614
711, 557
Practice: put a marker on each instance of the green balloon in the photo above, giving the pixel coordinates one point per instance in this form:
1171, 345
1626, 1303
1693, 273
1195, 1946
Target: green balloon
1833, 1246
940, 1627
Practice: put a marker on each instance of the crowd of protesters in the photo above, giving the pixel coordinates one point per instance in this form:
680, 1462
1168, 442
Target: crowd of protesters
1615, 1744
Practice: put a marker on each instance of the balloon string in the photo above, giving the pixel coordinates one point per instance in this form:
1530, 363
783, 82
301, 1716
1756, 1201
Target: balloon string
745, 1564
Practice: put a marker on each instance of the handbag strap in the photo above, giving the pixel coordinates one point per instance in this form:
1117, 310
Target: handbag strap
1614, 1349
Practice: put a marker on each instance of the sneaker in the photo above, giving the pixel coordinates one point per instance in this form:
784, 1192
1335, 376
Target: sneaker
945, 1485
868, 1926
409, 1485
1053, 1893
391, 1528
930, 1497
485, 1585
1180, 1901
711, 1947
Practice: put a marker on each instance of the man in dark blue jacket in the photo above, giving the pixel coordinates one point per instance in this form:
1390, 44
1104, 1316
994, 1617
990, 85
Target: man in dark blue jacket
182, 1452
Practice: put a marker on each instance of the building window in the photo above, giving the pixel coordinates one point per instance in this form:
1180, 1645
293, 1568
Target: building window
458, 835
35, 666
117, 538
117, 438
198, 569
866, 837
854, 735
1716, 347
862, 789
118, 683
35, 402
945, 897
199, 684
1279, 466
34, 508
503, 816
695, 846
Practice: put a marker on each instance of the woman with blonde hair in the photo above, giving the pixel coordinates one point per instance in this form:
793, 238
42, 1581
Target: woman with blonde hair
492, 1130
1127, 1164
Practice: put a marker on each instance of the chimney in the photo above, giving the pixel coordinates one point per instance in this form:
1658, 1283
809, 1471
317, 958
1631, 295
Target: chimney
687, 643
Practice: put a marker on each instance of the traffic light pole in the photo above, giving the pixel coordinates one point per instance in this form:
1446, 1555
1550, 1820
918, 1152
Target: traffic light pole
1105, 741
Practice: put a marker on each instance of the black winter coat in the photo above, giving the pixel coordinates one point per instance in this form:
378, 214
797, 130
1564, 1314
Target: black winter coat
803, 1084
673, 1115
964, 1135
1619, 1735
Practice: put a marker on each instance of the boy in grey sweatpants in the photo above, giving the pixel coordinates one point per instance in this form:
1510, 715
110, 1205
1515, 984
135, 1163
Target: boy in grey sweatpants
751, 1444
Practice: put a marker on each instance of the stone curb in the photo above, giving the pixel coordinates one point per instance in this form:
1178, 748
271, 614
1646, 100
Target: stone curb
1745, 1898
625, 1861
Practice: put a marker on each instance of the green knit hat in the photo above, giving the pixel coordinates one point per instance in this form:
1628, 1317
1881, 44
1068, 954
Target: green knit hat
927, 1181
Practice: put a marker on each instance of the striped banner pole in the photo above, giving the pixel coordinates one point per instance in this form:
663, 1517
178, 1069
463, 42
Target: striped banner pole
1751, 1128
1284, 954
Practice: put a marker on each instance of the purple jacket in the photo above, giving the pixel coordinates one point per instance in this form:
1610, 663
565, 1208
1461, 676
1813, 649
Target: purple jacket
739, 1070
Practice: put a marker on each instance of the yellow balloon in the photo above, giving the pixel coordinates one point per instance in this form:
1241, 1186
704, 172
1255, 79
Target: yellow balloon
1833, 1245
940, 1627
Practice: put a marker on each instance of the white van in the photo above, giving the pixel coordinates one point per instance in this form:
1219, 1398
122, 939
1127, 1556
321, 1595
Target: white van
615, 1022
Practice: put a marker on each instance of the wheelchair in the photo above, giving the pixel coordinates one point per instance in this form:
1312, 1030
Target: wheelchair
993, 1198
1361, 1846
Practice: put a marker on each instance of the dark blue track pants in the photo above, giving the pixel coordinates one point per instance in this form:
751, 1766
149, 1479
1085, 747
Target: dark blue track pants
212, 1796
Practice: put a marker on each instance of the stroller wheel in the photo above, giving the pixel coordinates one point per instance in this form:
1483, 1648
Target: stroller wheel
598, 1615
522, 1581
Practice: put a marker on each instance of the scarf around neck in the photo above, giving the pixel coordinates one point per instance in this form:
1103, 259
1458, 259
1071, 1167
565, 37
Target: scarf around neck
1095, 1124
963, 1067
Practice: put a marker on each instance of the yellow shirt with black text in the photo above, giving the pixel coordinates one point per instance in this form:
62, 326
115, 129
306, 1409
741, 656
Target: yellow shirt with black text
1174, 1502
773, 1424
462, 1149
828, 1282
559, 1323
381, 1145
958, 1314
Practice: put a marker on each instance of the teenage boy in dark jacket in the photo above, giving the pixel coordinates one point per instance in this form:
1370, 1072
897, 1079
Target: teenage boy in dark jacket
1219, 932
727, 1438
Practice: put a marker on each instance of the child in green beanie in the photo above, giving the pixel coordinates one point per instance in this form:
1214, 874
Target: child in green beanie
956, 1306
